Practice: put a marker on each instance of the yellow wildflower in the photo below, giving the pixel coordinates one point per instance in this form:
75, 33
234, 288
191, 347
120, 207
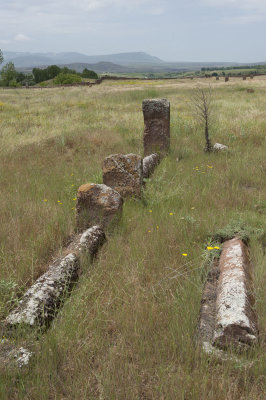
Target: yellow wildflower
74, 199
150, 210
210, 248
45, 200
184, 254
216, 247
171, 213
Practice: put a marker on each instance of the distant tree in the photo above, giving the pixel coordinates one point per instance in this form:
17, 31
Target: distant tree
62, 79
8, 74
1, 56
202, 105
40, 75
86, 73
67, 70
52, 71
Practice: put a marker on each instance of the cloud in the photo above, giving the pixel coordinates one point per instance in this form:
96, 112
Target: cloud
245, 11
21, 38
68, 16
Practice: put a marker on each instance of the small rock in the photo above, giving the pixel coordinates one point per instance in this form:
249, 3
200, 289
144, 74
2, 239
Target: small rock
13, 357
219, 147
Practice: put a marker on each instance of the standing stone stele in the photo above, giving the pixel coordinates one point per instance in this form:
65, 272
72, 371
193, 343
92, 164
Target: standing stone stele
97, 204
123, 173
156, 137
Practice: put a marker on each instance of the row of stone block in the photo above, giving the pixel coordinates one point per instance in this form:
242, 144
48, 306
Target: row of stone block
123, 176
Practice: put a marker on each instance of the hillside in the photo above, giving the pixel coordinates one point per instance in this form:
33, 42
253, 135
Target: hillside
138, 62
127, 330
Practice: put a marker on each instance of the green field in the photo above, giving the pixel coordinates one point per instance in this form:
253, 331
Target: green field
128, 329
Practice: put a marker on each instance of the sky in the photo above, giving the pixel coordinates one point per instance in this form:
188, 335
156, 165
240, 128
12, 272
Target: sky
174, 30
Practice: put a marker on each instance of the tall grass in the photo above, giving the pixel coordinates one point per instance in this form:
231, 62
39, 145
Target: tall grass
128, 329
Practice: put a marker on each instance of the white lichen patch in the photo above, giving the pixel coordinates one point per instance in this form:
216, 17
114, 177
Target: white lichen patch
91, 239
108, 196
22, 357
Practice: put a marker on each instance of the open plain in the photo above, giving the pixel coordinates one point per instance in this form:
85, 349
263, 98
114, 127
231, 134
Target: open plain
128, 329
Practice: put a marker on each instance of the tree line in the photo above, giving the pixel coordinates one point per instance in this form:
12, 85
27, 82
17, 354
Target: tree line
10, 77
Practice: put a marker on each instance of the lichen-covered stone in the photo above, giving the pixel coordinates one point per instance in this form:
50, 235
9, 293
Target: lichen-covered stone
236, 322
40, 303
97, 204
123, 172
149, 164
89, 241
156, 137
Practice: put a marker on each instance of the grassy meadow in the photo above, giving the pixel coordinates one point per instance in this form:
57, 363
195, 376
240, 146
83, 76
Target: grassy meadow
128, 329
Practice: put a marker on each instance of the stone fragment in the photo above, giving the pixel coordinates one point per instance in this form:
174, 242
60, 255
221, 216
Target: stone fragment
219, 147
149, 164
123, 173
12, 357
236, 322
156, 137
40, 303
97, 204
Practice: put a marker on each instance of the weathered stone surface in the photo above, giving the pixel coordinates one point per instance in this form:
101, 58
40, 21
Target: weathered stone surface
208, 306
40, 303
219, 147
156, 137
149, 164
235, 316
123, 173
89, 241
97, 204
12, 356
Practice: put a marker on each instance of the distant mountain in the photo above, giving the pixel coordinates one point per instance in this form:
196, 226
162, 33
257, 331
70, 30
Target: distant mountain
44, 59
110, 63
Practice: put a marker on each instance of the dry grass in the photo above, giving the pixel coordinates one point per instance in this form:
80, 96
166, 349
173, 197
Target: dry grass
128, 329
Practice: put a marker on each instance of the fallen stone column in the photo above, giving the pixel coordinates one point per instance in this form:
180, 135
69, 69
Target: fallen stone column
123, 173
149, 164
40, 303
156, 137
235, 316
97, 204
